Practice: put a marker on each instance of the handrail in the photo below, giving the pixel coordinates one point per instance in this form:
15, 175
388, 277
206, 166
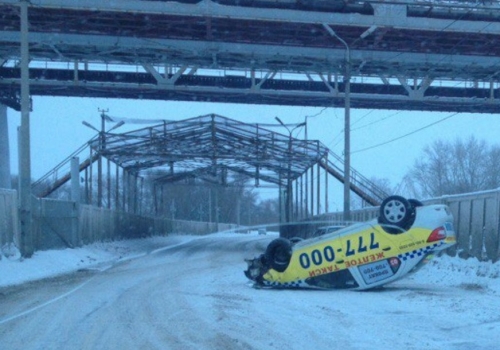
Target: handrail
41, 189
360, 185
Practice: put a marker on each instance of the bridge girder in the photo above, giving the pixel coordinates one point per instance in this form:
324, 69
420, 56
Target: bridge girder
406, 54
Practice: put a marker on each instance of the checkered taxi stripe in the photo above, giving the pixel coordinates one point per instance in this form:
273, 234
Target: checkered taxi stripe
293, 284
419, 252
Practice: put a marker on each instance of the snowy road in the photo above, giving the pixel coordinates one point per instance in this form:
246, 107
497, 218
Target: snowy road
194, 296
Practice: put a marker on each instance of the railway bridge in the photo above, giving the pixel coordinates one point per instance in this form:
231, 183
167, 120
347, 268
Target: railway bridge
431, 55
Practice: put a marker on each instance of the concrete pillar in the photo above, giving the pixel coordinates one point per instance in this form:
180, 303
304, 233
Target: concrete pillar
25, 214
117, 188
238, 210
75, 197
5, 180
75, 179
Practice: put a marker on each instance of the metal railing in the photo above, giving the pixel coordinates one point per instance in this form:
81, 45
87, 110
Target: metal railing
360, 185
61, 173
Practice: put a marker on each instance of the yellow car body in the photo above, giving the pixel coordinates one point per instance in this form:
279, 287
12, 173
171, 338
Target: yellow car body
360, 256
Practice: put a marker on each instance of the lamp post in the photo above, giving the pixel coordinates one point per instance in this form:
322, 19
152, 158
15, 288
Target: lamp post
347, 119
347, 124
288, 198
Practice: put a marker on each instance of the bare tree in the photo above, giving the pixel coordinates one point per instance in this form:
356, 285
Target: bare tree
468, 165
493, 168
231, 201
454, 167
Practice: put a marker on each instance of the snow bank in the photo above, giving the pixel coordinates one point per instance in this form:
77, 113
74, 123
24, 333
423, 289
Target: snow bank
465, 273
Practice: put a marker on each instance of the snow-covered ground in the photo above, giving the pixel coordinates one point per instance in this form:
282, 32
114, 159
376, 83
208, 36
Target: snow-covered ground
189, 292
14, 270
52, 263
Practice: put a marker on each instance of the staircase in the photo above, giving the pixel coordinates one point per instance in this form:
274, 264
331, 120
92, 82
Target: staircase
53, 180
360, 185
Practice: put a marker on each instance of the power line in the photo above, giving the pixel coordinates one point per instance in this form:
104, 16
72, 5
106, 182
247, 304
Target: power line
360, 127
403, 136
425, 127
317, 114
363, 117
377, 121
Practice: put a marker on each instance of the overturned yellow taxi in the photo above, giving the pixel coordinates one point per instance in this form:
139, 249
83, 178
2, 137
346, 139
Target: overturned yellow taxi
405, 235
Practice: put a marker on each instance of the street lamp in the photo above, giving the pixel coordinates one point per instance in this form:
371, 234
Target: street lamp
88, 125
286, 125
347, 118
347, 125
116, 126
288, 198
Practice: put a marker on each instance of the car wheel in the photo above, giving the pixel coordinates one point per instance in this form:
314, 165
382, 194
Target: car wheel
396, 211
278, 254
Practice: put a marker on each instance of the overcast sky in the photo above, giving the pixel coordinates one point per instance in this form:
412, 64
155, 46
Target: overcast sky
384, 144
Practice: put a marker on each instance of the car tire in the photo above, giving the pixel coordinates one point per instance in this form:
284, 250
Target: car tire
278, 254
396, 211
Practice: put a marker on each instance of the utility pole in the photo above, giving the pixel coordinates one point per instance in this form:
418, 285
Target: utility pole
347, 117
25, 213
347, 124
101, 148
347, 138
102, 145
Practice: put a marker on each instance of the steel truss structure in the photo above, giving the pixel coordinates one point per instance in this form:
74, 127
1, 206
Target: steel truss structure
441, 55
212, 149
